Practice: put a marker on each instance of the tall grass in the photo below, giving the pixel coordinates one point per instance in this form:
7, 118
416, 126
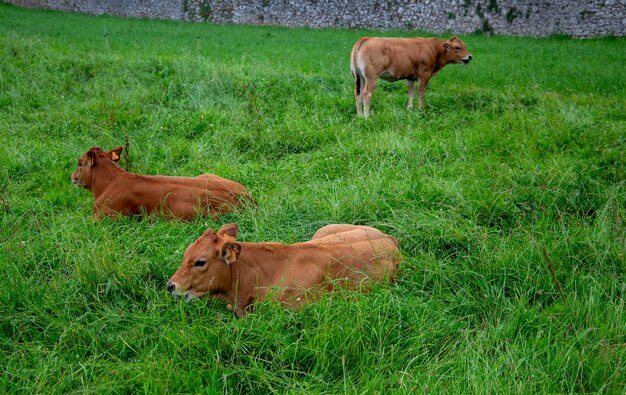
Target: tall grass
517, 164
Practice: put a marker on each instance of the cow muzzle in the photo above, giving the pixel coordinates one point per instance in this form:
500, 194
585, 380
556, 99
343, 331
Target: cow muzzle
76, 182
172, 288
466, 59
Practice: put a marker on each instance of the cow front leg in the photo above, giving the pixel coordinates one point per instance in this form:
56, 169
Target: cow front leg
423, 81
410, 84
101, 211
368, 91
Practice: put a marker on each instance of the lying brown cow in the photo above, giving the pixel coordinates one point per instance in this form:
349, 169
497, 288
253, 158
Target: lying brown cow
242, 273
393, 59
118, 192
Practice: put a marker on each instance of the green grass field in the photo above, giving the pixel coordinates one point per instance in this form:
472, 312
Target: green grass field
518, 160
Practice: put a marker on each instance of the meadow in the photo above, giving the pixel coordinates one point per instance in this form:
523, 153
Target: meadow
508, 195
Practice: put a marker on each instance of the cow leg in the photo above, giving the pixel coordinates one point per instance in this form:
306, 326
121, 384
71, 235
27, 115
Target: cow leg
410, 84
358, 94
102, 210
423, 81
370, 86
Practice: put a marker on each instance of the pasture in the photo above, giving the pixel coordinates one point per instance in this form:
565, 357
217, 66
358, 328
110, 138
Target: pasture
508, 196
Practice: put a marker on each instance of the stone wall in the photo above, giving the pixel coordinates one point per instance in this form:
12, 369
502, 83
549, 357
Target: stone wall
578, 18
161, 9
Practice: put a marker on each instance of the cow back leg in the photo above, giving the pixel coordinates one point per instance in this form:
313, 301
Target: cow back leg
358, 93
410, 84
183, 209
368, 91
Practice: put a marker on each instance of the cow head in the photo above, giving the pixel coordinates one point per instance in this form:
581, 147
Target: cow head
82, 175
206, 264
456, 52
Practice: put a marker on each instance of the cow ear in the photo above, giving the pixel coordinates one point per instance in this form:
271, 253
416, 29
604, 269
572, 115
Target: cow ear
229, 252
229, 230
210, 235
447, 45
114, 154
91, 158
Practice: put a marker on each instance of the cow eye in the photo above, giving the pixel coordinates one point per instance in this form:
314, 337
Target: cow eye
458, 48
199, 263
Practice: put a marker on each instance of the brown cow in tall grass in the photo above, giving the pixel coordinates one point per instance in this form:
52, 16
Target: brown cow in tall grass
393, 59
240, 273
118, 192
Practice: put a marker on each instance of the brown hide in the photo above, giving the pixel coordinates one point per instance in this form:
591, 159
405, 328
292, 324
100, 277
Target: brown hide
241, 273
118, 192
393, 59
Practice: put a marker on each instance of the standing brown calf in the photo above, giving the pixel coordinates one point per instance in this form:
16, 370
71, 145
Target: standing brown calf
118, 192
239, 273
393, 59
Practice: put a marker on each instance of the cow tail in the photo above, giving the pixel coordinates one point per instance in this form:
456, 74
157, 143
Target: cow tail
357, 83
353, 63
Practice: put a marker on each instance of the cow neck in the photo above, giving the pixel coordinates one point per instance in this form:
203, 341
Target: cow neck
438, 63
254, 262
103, 174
